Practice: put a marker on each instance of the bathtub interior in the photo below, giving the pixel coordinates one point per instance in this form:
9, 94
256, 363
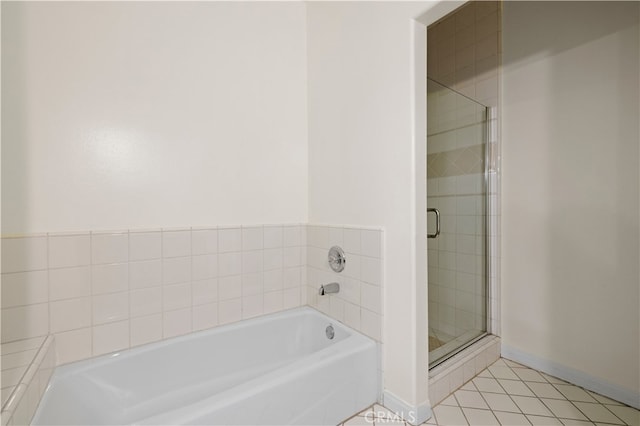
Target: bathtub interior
202, 368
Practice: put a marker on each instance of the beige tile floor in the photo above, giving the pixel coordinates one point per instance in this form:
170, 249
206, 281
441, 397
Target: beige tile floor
509, 394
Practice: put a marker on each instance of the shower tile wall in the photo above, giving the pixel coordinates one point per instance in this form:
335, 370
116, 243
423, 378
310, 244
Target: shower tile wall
464, 53
455, 159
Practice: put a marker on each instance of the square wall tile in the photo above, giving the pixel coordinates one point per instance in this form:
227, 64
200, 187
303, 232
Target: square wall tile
352, 315
371, 324
70, 314
229, 240
252, 238
67, 283
176, 323
336, 236
252, 261
204, 291
69, 250
110, 307
145, 245
24, 322
109, 278
176, 270
371, 297
353, 266
176, 296
229, 287
176, 243
204, 266
252, 306
24, 254
204, 241
73, 345
24, 288
145, 301
146, 329
292, 256
291, 298
292, 277
292, 236
350, 291
371, 243
229, 264
273, 237
145, 274
229, 311
205, 316
273, 259
336, 308
273, 301
318, 236
109, 248
371, 270
273, 280
111, 337
252, 284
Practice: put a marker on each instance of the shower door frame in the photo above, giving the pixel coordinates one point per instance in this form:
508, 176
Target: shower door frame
489, 211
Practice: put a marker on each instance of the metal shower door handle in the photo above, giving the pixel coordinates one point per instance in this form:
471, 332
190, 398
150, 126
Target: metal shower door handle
437, 212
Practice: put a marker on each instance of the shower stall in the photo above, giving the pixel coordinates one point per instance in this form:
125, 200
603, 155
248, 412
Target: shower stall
457, 220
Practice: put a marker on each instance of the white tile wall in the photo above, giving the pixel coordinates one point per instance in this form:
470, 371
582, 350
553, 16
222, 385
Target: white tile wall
359, 304
464, 53
105, 291
145, 245
109, 248
65, 283
110, 337
31, 362
69, 250
457, 256
23, 288
24, 254
146, 329
25, 322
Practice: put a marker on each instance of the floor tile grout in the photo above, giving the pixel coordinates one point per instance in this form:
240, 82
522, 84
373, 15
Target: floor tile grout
546, 402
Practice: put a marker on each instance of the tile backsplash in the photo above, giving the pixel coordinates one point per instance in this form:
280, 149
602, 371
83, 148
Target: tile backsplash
359, 303
100, 292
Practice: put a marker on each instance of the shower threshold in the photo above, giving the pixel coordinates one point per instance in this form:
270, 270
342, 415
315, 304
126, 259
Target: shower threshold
450, 349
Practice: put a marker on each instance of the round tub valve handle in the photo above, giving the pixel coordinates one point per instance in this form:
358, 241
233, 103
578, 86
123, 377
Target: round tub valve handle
337, 259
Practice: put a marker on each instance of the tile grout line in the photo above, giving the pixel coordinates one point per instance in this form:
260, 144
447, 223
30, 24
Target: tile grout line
554, 385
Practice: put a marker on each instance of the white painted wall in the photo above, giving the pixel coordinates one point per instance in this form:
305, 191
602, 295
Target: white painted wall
129, 115
362, 157
570, 292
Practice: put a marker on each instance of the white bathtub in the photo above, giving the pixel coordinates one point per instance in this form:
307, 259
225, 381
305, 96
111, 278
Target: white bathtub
277, 369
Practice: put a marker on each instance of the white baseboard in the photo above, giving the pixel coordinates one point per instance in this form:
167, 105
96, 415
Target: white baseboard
594, 384
414, 415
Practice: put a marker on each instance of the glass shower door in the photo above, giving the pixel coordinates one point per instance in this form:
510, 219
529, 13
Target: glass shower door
457, 198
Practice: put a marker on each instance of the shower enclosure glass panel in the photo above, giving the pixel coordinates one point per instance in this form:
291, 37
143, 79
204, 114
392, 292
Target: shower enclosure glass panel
456, 191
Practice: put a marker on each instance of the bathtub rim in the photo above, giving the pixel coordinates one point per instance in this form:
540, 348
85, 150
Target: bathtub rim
147, 347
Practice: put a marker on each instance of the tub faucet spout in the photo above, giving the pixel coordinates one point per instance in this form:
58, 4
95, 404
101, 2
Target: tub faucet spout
329, 288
